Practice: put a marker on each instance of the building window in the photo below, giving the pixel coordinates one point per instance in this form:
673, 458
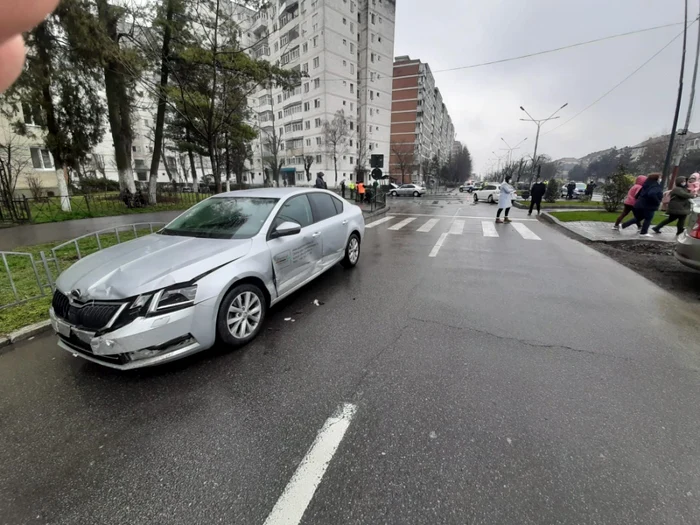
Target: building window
305, 67
317, 122
371, 57
307, 124
352, 88
352, 160
41, 159
345, 42
306, 87
371, 94
305, 47
352, 124
345, 21
317, 103
373, 20
372, 37
317, 62
317, 83
318, 159
352, 69
318, 141
351, 146
307, 106
352, 47
308, 142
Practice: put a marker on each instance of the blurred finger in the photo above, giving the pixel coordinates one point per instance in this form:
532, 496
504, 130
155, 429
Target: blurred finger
11, 61
18, 16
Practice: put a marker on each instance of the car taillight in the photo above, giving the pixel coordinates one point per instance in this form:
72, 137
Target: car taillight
694, 232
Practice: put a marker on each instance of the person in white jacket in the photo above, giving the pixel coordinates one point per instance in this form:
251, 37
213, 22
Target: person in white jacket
505, 200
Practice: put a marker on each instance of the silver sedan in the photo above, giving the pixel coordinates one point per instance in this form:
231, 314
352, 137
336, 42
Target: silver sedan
211, 274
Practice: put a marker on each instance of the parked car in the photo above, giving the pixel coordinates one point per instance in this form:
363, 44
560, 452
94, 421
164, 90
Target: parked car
489, 193
579, 191
209, 275
468, 187
416, 190
688, 243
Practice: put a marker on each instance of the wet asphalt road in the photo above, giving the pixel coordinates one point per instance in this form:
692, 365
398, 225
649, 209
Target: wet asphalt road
504, 380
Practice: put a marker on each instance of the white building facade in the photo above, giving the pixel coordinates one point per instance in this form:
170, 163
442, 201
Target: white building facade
344, 48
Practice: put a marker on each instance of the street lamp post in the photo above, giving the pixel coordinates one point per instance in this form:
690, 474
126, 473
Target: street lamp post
510, 150
539, 123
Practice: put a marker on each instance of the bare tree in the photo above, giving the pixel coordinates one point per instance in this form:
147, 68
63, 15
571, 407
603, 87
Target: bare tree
308, 161
15, 159
36, 188
404, 158
336, 135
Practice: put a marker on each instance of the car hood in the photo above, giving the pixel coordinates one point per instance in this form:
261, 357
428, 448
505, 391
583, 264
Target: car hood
148, 264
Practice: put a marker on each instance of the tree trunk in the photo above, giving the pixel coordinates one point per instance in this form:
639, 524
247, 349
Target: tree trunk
118, 101
43, 40
335, 165
160, 113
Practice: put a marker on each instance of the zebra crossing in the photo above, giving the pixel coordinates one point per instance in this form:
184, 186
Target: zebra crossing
453, 226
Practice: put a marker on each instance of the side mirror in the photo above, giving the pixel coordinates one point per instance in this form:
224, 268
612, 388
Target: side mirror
286, 229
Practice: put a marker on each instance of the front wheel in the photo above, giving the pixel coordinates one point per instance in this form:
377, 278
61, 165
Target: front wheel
490, 199
241, 315
476, 198
352, 252
394, 194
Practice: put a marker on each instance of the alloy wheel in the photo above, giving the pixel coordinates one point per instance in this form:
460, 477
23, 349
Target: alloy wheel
244, 315
353, 249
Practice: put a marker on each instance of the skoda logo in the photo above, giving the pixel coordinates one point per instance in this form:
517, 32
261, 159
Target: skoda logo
75, 294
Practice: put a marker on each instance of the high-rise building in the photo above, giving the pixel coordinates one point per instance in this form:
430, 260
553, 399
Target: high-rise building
345, 50
421, 127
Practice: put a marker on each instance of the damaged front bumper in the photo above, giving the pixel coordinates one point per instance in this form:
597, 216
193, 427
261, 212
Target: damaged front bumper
146, 341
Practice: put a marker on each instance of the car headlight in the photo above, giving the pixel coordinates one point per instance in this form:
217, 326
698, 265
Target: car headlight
173, 298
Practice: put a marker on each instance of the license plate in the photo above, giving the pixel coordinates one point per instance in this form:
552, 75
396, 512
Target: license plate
62, 328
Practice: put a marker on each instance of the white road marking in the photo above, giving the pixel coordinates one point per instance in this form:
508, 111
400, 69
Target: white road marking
428, 225
377, 223
403, 223
438, 245
457, 228
489, 229
480, 217
290, 507
525, 232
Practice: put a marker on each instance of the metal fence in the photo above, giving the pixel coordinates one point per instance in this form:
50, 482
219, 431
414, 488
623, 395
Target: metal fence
29, 276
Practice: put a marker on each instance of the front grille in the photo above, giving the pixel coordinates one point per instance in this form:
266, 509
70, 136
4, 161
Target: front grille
92, 316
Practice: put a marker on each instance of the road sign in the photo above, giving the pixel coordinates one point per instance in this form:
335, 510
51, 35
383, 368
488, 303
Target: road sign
376, 174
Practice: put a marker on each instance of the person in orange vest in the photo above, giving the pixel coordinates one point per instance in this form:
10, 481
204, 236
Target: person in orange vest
360, 191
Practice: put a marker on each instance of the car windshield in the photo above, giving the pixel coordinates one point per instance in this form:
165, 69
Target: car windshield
223, 218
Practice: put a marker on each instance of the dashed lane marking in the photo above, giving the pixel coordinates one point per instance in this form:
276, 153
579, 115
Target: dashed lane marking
377, 223
403, 223
290, 507
525, 232
489, 229
438, 245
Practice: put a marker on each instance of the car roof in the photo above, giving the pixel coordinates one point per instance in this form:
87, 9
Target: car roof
270, 193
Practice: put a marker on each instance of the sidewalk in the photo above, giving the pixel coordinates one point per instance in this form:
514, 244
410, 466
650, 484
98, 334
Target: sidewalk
603, 232
30, 234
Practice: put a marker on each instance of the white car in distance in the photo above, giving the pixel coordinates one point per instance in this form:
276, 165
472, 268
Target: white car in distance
489, 193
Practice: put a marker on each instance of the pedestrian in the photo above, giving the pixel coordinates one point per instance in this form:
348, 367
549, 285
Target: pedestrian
590, 187
630, 200
536, 193
342, 187
360, 191
648, 201
505, 200
694, 184
570, 190
320, 183
679, 207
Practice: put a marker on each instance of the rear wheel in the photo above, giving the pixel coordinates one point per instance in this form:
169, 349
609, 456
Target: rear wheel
461, 190
241, 315
476, 198
416, 194
352, 252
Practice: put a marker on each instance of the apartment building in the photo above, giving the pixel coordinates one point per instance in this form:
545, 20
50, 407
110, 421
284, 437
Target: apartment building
421, 127
345, 50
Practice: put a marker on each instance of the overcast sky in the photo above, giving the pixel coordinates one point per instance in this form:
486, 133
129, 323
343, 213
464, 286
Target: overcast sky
484, 102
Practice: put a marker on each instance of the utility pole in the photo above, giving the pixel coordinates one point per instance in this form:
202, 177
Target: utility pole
539, 123
510, 150
667, 163
684, 132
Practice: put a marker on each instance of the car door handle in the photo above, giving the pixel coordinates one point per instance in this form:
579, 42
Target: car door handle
345, 221
316, 234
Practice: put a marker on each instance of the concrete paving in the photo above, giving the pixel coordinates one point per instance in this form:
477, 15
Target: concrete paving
602, 231
507, 379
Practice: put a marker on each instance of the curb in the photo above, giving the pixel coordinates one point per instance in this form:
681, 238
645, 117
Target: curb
582, 238
23, 334
376, 213
546, 217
